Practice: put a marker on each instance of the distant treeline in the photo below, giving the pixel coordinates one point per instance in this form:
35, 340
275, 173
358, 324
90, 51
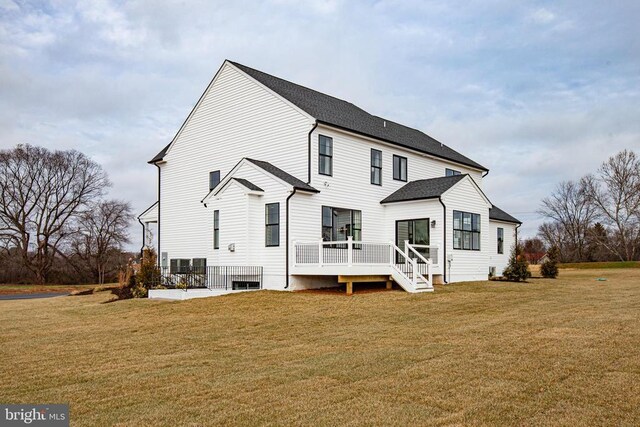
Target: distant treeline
55, 224
596, 218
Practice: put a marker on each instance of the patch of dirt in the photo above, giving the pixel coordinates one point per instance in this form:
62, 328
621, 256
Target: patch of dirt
358, 288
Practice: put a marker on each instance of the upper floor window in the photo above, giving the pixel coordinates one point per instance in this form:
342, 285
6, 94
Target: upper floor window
451, 172
399, 168
500, 240
272, 224
376, 167
466, 231
214, 179
216, 229
325, 155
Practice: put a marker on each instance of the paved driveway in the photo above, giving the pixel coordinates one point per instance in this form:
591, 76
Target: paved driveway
31, 296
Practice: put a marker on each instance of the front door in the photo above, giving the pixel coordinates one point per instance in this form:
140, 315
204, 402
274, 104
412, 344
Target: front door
416, 231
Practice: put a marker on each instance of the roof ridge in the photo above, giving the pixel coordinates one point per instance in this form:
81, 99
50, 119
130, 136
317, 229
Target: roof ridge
334, 97
296, 84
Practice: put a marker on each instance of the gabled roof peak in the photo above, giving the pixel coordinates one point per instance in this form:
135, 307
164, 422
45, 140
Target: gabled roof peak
336, 112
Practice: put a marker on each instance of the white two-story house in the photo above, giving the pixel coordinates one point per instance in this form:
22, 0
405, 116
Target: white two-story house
269, 184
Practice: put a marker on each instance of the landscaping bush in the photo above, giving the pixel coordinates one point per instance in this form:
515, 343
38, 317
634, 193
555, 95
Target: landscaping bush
549, 267
147, 277
518, 268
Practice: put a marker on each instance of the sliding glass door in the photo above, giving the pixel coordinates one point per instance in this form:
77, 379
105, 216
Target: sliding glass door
416, 231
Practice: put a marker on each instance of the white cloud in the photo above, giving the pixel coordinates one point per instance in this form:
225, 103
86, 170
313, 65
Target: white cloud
557, 90
542, 16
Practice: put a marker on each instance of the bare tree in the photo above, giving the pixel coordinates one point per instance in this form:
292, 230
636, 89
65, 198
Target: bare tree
570, 208
614, 191
534, 249
102, 230
41, 193
553, 235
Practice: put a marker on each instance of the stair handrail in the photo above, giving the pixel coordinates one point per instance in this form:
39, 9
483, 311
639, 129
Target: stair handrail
428, 262
392, 262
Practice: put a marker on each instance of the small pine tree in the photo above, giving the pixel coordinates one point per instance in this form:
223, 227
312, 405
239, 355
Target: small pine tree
518, 268
549, 268
148, 276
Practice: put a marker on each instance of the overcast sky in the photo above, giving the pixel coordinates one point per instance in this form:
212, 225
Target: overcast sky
538, 92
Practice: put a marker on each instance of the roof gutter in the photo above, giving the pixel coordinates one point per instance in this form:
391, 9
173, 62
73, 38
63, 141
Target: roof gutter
315, 125
144, 237
158, 257
444, 239
286, 286
476, 166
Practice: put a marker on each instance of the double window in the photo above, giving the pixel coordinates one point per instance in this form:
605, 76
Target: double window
338, 224
466, 231
216, 229
500, 240
214, 179
325, 155
272, 224
399, 168
376, 167
188, 266
451, 172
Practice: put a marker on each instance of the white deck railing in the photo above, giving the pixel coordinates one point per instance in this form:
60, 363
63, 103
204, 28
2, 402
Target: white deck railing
415, 264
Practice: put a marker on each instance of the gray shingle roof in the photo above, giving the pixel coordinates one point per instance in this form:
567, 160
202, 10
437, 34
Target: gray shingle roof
343, 114
248, 184
279, 173
423, 189
160, 155
500, 215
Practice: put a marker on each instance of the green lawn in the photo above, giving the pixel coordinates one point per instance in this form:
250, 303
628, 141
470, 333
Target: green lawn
563, 352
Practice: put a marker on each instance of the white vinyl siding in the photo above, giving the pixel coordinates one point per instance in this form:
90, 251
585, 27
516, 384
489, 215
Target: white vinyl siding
236, 117
242, 225
500, 261
468, 264
350, 187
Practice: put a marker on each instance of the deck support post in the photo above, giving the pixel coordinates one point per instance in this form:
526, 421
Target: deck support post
389, 284
349, 288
